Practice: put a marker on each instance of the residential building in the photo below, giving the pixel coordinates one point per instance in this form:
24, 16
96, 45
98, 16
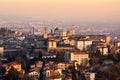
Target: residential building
34, 74
103, 50
79, 57
83, 44
61, 66
52, 44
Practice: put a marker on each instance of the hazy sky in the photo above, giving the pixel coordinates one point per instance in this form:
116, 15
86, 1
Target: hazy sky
67, 10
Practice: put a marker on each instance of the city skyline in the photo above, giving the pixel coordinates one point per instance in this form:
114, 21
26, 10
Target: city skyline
106, 11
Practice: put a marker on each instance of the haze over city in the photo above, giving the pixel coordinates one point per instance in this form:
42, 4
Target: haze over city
59, 39
89, 11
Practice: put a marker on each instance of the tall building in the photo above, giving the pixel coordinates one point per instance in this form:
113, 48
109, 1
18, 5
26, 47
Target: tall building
108, 39
33, 30
73, 30
1, 51
45, 35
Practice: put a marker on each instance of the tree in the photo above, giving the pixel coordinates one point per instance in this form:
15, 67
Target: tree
91, 62
60, 57
12, 74
21, 61
2, 70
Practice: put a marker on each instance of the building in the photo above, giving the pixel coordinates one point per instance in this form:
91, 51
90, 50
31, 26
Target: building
83, 44
52, 44
108, 39
53, 73
45, 35
61, 66
73, 30
103, 38
1, 51
89, 76
118, 44
63, 33
104, 50
79, 57
34, 74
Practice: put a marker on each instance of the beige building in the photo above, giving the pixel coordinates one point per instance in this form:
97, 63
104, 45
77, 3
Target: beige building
118, 44
79, 57
53, 73
104, 50
1, 50
108, 39
52, 44
61, 66
83, 44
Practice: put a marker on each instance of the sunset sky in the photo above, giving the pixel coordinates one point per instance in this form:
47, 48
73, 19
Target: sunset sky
68, 10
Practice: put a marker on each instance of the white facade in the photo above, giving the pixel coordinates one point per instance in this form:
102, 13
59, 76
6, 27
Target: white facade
83, 45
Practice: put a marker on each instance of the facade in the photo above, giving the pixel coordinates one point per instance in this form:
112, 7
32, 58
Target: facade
79, 57
61, 66
34, 74
63, 33
52, 44
83, 44
53, 73
104, 50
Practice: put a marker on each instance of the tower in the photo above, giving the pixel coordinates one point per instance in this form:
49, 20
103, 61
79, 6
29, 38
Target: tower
45, 35
107, 39
73, 30
33, 30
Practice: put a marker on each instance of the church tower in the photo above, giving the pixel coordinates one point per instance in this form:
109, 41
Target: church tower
45, 35
73, 30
